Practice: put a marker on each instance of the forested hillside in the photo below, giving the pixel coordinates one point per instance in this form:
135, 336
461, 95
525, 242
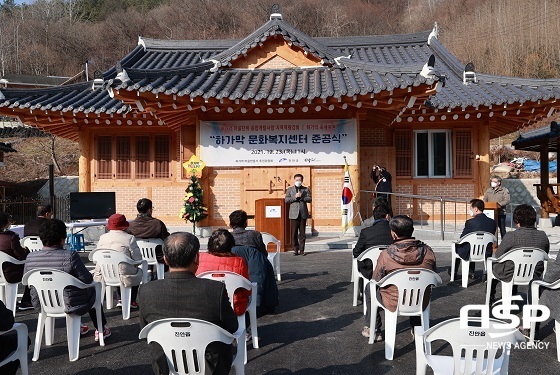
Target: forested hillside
510, 37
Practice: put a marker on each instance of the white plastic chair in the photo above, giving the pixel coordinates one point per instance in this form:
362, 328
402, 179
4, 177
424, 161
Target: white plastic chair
478, 242
372, 254
412, 283
474, 349
233, 282
32, 243
525, 260
148, 248
108, 261
21, 352
8, 291
354, 262
50, 285
273, 258
535, 286
184, 343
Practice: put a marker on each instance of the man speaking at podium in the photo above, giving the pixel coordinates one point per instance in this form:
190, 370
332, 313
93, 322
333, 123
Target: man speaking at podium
298, 196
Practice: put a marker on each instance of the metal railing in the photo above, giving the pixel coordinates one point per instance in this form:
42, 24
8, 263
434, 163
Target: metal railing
23, 209
423, 209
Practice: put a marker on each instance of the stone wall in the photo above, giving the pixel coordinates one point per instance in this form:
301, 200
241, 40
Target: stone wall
523, 191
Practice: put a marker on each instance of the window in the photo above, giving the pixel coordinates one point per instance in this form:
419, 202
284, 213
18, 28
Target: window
432, 153
133, 157
463, 153
403, 152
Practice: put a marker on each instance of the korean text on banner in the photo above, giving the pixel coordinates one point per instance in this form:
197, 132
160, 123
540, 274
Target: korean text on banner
347, 202
278, 142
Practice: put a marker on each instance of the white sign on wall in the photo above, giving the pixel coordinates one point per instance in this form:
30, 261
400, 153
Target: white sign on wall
278, 142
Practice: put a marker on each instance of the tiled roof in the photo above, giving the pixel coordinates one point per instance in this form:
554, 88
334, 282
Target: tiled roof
532, 140
17, 130
6, 147
356, 65
80, 97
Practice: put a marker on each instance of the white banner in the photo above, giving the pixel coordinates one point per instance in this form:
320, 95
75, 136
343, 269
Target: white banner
278, 142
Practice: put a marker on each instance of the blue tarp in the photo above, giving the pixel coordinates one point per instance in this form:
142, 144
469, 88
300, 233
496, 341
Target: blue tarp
535, 166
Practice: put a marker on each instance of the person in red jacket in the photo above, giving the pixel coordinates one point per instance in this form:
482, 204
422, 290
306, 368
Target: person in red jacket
220, 258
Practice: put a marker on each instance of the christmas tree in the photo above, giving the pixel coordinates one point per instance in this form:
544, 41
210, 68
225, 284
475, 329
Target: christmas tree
193, 209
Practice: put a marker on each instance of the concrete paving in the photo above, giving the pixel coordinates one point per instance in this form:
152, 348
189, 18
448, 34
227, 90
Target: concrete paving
314, 331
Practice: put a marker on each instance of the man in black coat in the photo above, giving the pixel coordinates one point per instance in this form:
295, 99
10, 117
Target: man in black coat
182, 295
32, 227
479, 223
378, 234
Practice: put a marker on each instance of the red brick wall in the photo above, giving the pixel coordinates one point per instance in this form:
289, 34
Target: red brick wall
326, 193
373, 136
225, 187
277, 62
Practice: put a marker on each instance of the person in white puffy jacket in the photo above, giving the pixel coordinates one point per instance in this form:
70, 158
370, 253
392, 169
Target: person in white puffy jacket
117, 239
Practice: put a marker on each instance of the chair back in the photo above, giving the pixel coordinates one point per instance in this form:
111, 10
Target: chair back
525, 261
184, 342
371, 253
269, 238
8, 259
232, 280
148, 248
50, 285
474, 348
108, 262
411, 283
32, 243
478, 242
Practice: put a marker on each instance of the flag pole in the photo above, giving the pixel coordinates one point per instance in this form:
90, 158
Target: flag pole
353, 197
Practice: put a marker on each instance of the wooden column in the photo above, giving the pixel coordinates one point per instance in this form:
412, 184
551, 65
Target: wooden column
483, 182
204, 181
84, 171
355, 169
544, 174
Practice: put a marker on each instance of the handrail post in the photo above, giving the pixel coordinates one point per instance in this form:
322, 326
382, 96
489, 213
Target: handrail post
442, 210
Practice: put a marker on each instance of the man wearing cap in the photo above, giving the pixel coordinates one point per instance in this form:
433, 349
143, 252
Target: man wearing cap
118, 240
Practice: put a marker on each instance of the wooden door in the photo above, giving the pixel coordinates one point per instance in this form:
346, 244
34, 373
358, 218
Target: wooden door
268, 182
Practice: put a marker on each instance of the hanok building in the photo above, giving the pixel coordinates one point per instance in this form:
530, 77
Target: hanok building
279, 102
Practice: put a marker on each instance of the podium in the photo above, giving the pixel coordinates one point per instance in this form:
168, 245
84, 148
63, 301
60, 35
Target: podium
271, 216
491, 210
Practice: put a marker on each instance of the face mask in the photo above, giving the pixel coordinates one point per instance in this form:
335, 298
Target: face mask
297, 183
493, 184
471, 213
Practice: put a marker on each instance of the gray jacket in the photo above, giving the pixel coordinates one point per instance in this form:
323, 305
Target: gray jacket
522, 237
251, 238
551, 298
298, 206
76, 301
500, 196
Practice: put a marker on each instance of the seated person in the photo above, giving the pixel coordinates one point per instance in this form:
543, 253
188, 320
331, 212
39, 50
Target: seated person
405, 252
32, 227
526, 235
9, 244
378, 201
146, 226
244, 237
378, 234
117, 239
8, 342
220, 258
479, 223
55, 256
173, 297
262, 273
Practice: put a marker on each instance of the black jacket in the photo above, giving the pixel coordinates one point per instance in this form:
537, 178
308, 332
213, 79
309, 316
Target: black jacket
378, 234
479, 223
183, 295
32, 227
